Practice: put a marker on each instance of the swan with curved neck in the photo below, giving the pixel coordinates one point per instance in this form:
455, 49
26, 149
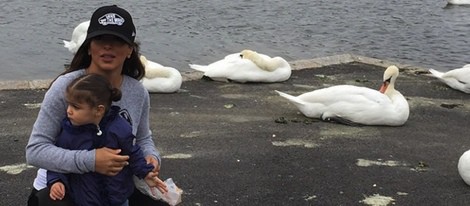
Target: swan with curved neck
247, 66
268, 64
354, 105
160, 79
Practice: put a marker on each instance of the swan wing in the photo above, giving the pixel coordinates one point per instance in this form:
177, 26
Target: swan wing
235, 68
458, 2
220, 64
352, 104
162, 85
71, 46
464, 167
458, 79
162, 80
232, 67
78, 37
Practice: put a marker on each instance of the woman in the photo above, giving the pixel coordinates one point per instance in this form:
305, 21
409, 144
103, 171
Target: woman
109, 50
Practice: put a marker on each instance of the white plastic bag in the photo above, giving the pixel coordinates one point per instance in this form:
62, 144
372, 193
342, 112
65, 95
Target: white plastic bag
172, 197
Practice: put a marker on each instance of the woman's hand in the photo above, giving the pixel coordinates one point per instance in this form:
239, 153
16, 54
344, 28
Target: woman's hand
109, 162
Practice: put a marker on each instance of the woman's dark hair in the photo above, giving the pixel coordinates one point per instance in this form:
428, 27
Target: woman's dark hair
94, 90
132, 67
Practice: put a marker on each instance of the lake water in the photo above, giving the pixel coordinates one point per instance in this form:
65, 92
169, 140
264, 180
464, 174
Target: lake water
425, 33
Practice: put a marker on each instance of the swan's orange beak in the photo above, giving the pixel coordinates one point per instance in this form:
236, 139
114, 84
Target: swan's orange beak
384, 86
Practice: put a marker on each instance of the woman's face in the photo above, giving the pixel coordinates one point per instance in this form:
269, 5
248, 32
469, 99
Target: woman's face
108, 53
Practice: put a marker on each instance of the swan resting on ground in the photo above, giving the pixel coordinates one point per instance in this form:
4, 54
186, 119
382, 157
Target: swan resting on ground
160, 79
355, 105
78, 37
247, 66
464, 167
458, 79
458, 2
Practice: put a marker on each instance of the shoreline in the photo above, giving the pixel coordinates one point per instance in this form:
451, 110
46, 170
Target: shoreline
194, 75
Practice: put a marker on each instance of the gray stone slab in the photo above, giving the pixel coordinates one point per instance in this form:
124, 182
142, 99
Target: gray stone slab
242, 144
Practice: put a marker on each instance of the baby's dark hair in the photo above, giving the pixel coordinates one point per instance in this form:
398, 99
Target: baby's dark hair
94, 90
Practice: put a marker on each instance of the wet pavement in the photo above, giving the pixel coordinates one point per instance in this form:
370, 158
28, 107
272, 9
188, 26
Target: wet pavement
242, 144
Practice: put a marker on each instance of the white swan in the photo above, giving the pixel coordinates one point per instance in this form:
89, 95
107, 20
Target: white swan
78, 37
160, 79
458, 2
247, 66
352, 105
458, 79
464, 167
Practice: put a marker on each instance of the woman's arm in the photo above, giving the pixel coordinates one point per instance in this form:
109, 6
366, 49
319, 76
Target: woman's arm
144, 134
135, 108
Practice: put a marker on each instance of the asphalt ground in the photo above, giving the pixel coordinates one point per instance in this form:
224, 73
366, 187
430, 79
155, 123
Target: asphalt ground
242, 144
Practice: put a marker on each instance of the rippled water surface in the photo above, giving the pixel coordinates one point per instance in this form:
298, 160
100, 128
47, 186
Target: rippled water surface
425, 33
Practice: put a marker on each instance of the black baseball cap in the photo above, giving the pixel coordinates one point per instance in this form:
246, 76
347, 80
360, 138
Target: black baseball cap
112, 20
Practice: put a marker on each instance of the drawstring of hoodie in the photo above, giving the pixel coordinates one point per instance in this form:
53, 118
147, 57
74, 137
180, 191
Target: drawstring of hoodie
99, 133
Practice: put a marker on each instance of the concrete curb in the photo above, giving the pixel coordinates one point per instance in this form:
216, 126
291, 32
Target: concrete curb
194, 75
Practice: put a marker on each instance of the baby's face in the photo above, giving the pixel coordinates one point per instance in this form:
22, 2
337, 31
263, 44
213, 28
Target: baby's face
81, 113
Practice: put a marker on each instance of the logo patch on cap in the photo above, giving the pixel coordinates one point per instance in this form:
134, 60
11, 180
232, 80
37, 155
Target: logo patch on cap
111, 19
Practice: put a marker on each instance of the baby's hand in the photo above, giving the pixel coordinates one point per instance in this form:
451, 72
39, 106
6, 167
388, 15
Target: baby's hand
153, 181
57, 191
